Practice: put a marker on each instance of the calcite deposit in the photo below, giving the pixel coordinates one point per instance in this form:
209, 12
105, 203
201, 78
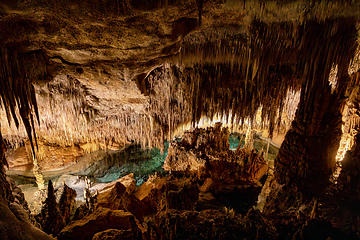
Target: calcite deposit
82, 82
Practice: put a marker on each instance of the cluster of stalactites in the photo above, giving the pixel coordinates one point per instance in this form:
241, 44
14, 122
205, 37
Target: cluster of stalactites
235, 72
20, 67
67, 118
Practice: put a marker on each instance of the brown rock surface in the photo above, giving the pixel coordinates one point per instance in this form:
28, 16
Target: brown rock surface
49, 157
102, 219
207, 224
83, 58
128, 181
180, 193
114, 234
205, 153
119, 199
207, 185
179, 160
67, 202
162, 193
51, 220
150, 193
14, 226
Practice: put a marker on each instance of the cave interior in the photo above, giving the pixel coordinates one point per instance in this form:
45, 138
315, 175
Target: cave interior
179, 119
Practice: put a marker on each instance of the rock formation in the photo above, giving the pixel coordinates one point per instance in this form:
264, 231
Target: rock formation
102, 219
53, 221
206, 153
91, 75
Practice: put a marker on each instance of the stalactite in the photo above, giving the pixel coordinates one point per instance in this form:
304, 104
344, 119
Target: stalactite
18, 69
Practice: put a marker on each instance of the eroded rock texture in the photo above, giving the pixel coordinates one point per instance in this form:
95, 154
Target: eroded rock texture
307, 156
57, 208
114, 234
102, 219
121, 71
205, 153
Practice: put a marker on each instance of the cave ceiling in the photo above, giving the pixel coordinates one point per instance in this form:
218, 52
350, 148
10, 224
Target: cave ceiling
136, 70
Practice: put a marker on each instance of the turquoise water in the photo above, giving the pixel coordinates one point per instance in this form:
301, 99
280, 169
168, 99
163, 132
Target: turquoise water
234, 141
142, 162
145, 162
148, 162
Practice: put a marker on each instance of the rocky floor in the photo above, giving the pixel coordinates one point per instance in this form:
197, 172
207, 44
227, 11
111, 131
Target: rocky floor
101, 166
211, 192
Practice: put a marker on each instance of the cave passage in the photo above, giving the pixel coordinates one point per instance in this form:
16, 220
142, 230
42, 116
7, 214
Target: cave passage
132, 159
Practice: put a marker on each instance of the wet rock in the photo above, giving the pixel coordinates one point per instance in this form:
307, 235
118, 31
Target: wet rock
53, 157
114, 234
101, 220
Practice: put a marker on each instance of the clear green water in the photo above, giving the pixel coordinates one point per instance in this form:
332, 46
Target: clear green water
146, 162
150, 164
234, 141
141, 162
141, 167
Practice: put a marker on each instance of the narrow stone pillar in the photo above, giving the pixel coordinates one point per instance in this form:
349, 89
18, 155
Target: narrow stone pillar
249, 139
38, 174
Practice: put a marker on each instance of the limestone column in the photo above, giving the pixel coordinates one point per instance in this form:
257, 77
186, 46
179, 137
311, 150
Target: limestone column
249, 139
306, 158
38, 174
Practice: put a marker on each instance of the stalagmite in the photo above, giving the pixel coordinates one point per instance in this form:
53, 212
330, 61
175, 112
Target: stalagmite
249, 139
100, 77
37, 173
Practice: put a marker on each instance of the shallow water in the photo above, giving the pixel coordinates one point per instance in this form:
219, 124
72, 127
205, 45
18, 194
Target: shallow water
142, 163
132, 159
